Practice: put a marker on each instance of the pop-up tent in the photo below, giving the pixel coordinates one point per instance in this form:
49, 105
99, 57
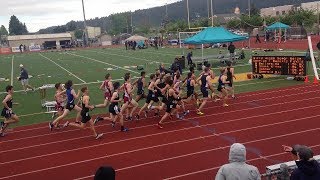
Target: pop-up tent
279, 26
212, 35
136, 38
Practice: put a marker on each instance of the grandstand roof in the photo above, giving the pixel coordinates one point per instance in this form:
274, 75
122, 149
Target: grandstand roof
39, 36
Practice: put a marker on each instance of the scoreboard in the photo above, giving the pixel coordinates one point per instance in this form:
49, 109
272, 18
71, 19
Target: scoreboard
280, 65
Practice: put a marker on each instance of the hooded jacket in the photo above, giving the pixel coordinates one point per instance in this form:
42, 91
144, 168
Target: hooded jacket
307, 170
237, 169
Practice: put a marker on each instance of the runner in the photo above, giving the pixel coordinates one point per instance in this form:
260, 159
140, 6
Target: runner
151, 95
141, 84
107, 87
177, 87
205, 85
114, 108
86, 107
230, 77
9, 116
127, 99
222, 86
192, 96
60, 99
172, 106
71, 96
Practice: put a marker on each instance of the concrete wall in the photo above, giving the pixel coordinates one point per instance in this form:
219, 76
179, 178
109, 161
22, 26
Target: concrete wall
33, 41
276, 11
313, 6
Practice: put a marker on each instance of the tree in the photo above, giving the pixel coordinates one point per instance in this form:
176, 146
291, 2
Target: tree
3, 30
60, 29
78, 33
16, 27
71, 26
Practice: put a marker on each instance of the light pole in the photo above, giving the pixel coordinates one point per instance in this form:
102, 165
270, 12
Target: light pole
85, 25
249, 8
211, 13
188, 14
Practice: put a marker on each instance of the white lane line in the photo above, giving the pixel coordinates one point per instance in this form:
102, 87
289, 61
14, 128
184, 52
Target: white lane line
174, 121
199, 152
12, 70
176, 142
62, 68
214, 168
157, 161
103, 63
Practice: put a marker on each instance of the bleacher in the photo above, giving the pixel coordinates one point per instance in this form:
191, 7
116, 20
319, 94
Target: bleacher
278, 168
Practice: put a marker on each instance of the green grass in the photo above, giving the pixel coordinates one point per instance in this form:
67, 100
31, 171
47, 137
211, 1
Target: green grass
90, 66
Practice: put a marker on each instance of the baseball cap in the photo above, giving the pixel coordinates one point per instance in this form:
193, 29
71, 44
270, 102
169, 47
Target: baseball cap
21, 65
305, 153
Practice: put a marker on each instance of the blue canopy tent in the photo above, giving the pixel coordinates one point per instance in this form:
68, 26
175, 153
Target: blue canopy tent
279, 26
212, 35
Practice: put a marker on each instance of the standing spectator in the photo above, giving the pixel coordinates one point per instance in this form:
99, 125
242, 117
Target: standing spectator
134, 45
237, 168
189, 56
24, 78
176, 66
21, 48
308, 168
258, 38
231, 49
126, 44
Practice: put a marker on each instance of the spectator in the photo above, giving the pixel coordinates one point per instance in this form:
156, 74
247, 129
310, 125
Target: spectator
258, 38
21, 48
308, 168
189, 56
24, 78
231, 49
105, 173
176, 66
126, 44
237, 168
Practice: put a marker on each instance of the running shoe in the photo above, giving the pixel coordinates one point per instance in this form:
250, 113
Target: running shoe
160, 126
113, 124
186, 112
234, 97
99, 136
225, 105
50, 126
137, 117
2, 135
66, 124
123, 129
97, 119
200, 113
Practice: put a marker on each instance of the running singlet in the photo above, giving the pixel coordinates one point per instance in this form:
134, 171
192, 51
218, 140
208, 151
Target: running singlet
127, 96
190, 89
84, 108
221, 85
204, 84
140, 90
6, 112
107, 91
70, 98
59, 104
229, 75
113, 108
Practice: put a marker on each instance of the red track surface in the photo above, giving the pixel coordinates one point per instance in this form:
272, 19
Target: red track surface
191, 149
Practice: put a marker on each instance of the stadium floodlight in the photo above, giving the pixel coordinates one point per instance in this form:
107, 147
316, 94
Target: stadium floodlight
188, 13
85, 26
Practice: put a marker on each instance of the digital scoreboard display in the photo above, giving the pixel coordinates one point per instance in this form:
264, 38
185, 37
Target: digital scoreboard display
280, 65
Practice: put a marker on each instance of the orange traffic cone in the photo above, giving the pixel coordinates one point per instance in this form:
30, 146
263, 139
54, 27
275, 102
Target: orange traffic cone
306, 80
315, 81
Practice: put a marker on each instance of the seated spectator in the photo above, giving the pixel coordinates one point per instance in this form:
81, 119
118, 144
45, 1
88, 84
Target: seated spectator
105, 173
237, 169
308, 168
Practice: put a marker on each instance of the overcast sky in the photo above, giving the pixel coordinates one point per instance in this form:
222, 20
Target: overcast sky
39, 14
